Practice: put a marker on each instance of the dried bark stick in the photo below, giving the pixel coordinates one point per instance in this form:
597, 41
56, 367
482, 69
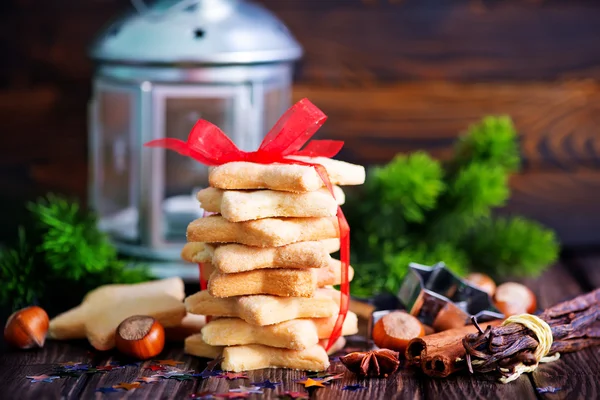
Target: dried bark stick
575, 325
441, 354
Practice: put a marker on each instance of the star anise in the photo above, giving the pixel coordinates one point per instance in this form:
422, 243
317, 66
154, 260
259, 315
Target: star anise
374, 363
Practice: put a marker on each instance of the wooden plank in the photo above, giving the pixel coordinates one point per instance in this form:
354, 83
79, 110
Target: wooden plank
467, 387
586, 269
165, 389
350, 42
557, 122
564, 201
575, 375
15, 386
17, 364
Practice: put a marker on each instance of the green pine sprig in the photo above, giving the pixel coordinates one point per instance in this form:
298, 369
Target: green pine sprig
65, 249
410, 184
417, 209
19, 284
70, 240
511, 247
492, 141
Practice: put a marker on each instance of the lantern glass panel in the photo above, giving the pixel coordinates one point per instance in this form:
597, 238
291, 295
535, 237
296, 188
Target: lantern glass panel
277, 101
183, 176
115, 173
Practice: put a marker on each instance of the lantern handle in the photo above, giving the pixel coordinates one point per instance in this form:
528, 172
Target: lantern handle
142, 8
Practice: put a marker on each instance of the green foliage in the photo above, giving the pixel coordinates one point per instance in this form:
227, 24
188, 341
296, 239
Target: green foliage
19, 285
64, 249
511, 246
492, 141
478, 188
455, 260
416, 209
411, 184
71, 243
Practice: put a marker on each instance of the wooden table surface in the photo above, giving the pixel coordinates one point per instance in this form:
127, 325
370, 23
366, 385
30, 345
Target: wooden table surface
574, 376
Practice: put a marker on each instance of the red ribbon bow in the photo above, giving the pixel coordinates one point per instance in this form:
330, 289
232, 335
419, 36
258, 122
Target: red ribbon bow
208, 145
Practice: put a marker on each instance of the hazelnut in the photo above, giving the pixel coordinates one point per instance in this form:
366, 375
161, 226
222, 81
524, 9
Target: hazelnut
394, 331
27, 328
140, 336
483, 282
513, 298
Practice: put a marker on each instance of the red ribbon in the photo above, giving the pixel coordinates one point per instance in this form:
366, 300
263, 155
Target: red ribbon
208, 145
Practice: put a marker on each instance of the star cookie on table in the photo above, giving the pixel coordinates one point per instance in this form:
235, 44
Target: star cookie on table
127, 386
353, 388
309, 382
232, 375
266, 384
42, 378
247, 389
104, 308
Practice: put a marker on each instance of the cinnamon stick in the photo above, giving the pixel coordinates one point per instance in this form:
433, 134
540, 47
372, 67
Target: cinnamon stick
575, 325
441, 354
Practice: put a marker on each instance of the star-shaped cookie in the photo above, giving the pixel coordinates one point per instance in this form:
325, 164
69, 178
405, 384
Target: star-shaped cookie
104, 308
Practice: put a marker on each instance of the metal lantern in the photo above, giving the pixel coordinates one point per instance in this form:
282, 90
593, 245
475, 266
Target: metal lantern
158, 70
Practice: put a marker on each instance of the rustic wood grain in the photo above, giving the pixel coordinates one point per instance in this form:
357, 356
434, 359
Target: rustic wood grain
15, 365
557, 122
586, 269
350, 42
561, 200
574, 375
464, 386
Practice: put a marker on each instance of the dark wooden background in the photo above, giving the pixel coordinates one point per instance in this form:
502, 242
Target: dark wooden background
392, 75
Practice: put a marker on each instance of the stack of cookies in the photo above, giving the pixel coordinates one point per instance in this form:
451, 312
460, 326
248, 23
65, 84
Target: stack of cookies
267, 253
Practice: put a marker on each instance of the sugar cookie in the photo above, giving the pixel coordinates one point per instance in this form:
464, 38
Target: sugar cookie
296, 334
268, 232
284, 177
236, 205
265, 309
231, 258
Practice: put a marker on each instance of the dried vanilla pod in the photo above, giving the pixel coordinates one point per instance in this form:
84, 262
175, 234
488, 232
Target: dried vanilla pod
575, 325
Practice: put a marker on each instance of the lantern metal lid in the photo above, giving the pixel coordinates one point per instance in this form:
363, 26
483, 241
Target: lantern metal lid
196, 32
